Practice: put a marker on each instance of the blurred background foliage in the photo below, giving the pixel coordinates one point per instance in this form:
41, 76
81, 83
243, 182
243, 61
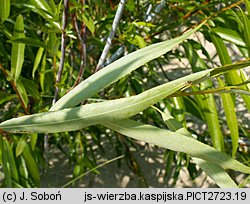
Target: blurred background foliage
30, 52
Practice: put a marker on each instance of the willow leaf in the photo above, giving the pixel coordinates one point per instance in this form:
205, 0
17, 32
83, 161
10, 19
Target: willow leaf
214, 171
17, 51
5, 162
229, 35
232, 77
95, 113
206, 102
117, 70
31, 164
176, 142
29, 41
43, 8
4, 9
231, 117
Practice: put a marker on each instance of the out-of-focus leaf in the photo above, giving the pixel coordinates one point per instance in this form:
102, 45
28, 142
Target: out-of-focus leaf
13, 168
37, 60
42, 4
29, 41
228, 68
32, 166
246, 31
231, 118
52, 6
141, 42
53, 44
24, 175
141, 23
17, 52
43, 8
209, 109
6, 163
117, 70
21, 145
33, 140
88, 21
31, 88
4, 9
232, 77
229, 35
245, 78
22, 92
176, 142
206, 102
42, 72
179, 110
4, 97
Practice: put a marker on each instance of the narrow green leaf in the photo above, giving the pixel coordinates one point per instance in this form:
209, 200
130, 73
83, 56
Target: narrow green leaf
140, 41
28, 41
179, 110
229, 35
17, 51
95, 113
4, 9
232, 77
208, 105
52, 6
216, 173
230, 67
13, 167
21, 145
24, 175
32, 166
31, 88
1, 151
176, 142
245, 78
246, 30
43, 8
33, 140
42, 4
89, 23
42, 72
22, 92
53, 44
4, 97
231, 118
206, 102
6, 163
247, 2
117, 70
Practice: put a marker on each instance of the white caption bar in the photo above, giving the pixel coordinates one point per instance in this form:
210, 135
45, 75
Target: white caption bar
123, 195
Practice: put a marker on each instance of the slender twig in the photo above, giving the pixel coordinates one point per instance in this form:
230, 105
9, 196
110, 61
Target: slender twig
111, 35
91, 170
220, 90
59, 72
15, 89
63, 42
82, 41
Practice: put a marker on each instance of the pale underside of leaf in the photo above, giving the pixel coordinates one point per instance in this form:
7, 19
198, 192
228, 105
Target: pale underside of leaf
214, 171
95, 113
176, 142
117, 70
